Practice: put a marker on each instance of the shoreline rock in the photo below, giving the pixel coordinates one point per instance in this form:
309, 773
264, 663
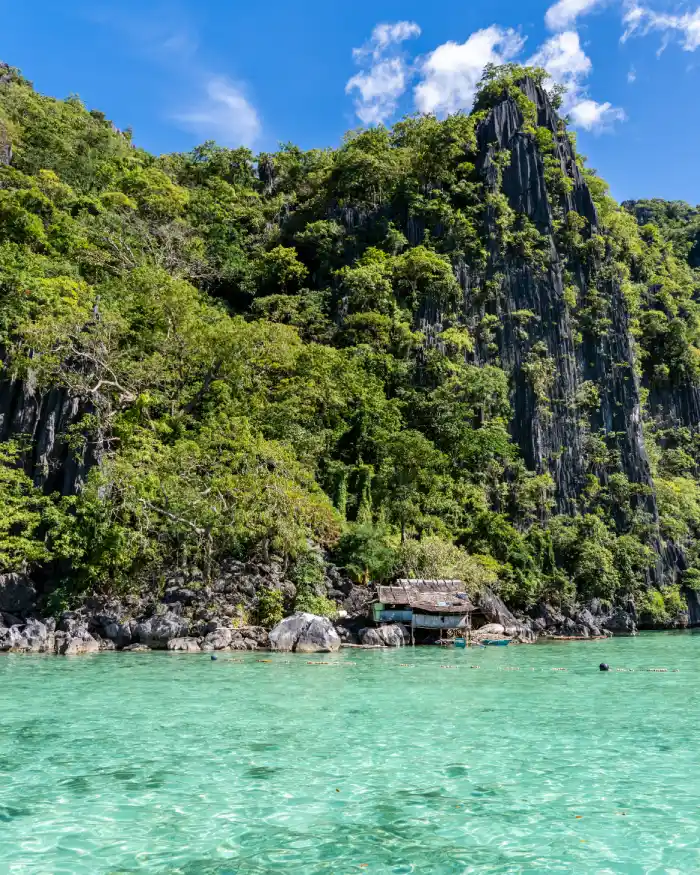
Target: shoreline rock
305, 633
194, 616
389, 635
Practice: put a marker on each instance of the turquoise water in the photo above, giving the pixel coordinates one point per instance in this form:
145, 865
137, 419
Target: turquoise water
379, 762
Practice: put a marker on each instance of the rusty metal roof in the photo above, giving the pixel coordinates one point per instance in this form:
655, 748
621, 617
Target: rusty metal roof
434, 596
431, 585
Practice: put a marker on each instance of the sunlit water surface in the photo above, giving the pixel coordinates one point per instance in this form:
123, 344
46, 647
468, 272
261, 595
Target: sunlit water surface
408, 761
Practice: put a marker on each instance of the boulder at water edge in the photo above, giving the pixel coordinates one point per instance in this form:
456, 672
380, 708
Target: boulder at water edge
185, 645
156, 632
305, 633
219, 639
72, 645
32, 637
491, 629
383, 636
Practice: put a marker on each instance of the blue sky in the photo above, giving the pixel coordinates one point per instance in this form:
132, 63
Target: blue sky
184, 71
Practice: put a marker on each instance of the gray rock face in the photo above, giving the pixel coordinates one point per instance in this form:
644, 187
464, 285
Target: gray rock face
384, 636
620, 622
185, 645
492, 629
78, 644
118, 633
38, 637
46, 417
137, 648
318, 637
71, 622
17, 594
357, 600
591, 620
156, 632
553, 439
12, 639
693, 600
32, 637
219, 639
586, 619
305, 633
495, 611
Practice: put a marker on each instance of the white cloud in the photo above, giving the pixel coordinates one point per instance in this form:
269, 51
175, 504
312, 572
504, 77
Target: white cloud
385, 35
567, 64
590, 116
224, 114
632, 19
640, 20
449, 75
563, 58
379, 90
631, 75
565, 12
451, 72
379, 87
218, 108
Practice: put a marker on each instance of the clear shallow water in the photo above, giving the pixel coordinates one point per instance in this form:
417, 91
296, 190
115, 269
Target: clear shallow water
166, 763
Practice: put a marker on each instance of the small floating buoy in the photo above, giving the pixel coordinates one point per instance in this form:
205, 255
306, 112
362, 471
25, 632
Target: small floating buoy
604, 666
214, 657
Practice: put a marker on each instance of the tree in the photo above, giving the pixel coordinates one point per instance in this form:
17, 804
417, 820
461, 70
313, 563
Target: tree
23, 511
366, 553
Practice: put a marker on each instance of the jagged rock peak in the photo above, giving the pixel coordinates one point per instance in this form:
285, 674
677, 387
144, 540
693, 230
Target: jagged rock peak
523, 180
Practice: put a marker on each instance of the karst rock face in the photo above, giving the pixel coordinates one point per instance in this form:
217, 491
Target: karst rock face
552, 437
44, 418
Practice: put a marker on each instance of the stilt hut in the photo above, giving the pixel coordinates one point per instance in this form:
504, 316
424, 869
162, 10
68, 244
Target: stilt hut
435, 605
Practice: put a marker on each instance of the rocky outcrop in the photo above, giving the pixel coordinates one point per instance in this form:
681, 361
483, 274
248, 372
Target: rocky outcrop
584, 621
184, 645
73, 645
39, 637
218, 639
495, 611
157, 632
552, 433
305, 633
36, 636
17, 594
45, 417
389, 635
12, 640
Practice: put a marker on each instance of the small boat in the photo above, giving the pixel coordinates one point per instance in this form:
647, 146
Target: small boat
496, 642
460, 642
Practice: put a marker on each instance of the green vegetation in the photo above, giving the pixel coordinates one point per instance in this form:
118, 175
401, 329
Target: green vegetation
273, 353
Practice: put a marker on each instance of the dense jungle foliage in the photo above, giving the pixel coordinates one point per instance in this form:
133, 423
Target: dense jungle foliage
248, 337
